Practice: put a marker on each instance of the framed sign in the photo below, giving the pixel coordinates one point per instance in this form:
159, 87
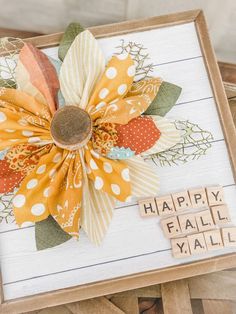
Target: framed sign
135, 253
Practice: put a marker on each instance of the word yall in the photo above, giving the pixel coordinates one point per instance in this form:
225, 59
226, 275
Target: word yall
196, 231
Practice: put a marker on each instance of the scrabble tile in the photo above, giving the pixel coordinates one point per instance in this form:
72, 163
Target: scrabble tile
197, 243
198, 198
213, 239
147, 207
215, 195
188, 223
165, 205
204, 220
171, 226
220, 214
229, 236
181, 200
180, 247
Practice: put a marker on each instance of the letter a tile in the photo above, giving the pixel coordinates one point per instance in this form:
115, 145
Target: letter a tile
165, 205
197, 243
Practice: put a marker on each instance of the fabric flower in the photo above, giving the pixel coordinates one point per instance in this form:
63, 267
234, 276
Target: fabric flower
78, 185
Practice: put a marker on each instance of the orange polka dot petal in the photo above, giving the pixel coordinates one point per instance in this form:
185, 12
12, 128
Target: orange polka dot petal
139, 134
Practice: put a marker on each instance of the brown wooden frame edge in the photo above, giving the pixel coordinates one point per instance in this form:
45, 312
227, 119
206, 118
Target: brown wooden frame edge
149, 278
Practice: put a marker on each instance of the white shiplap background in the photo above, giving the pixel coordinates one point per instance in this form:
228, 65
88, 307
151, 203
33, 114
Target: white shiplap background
54, 15
132, 244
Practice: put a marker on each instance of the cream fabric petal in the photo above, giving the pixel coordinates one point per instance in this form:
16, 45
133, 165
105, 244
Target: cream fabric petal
144, 180
83, 65
170, 136
42, 80
97, 209
24, 83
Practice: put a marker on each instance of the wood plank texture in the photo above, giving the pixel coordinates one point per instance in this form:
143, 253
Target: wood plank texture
221, 285
217, 307
4, 32
127, 305
100, 305
176, 298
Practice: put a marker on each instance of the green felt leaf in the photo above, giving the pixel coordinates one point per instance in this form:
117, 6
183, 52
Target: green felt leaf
49, 234
165, 99
71, 32
7, 83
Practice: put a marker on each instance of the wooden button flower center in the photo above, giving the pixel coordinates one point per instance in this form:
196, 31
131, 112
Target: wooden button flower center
71, 127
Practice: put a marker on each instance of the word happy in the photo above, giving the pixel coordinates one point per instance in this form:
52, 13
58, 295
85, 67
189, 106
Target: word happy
197, 231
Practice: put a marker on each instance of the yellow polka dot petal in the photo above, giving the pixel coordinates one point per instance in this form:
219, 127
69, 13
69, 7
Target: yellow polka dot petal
24, 102
114, 84
110, 176
137, 101
31, 201
22, 119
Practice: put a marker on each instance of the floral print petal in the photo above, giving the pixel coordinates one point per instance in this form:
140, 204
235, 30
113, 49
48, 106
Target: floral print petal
19, 161
66, 194
104, 138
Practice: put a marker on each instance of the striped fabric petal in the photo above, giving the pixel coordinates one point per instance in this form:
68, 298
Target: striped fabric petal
83, 65
97, 210
144, 180
170, 136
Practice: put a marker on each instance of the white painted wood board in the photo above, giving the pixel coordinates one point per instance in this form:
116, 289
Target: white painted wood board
132, 244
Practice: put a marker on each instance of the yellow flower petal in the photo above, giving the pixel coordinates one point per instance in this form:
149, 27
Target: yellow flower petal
66, 193
114, 84
22, 119
137, 101
110, 176
30, 202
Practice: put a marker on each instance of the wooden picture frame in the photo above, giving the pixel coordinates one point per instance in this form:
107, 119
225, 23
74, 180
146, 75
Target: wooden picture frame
161, 275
